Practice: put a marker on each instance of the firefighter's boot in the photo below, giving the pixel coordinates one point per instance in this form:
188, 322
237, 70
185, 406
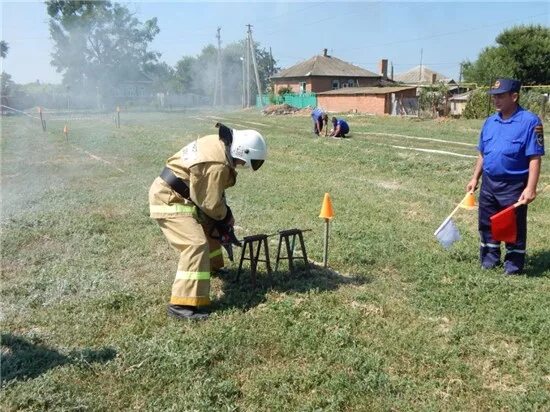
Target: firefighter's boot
186, 312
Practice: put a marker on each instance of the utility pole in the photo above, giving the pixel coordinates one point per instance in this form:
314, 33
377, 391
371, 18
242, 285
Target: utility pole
243, 97
270, 62
218, 88
420, 73
253, 54
460, 78
247, 66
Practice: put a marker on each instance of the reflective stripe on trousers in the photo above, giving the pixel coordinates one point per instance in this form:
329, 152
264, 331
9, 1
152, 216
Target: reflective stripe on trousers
192, 282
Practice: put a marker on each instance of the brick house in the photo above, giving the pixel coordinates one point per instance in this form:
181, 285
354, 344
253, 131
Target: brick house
395, 100
322, 73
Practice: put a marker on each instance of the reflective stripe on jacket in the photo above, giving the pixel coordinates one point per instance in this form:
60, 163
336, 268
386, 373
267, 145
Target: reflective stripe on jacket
206, 167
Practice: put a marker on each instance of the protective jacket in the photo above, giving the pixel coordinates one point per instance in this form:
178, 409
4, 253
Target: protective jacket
206, 169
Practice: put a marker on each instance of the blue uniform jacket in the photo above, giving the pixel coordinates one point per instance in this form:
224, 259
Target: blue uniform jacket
317, 114
507, 145
344, 128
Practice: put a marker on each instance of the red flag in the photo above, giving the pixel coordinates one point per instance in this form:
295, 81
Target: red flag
503, 225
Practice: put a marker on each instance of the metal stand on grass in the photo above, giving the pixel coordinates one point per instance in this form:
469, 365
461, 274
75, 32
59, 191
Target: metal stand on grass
249, 242
289, 239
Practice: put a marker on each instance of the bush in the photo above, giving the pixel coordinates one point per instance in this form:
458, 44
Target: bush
534, 100
479, 104
274, 99
432, 99
284, 90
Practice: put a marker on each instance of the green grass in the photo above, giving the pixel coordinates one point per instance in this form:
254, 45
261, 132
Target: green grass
400, 325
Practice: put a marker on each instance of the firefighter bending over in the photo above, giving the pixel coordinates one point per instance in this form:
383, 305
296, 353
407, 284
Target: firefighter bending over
188, 202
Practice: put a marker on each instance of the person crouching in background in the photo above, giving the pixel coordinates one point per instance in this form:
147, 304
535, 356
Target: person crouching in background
340, 128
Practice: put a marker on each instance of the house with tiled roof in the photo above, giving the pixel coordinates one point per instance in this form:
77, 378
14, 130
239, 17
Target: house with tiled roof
322, 73
422, 76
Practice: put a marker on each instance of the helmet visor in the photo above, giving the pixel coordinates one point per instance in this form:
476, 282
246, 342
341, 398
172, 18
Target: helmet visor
256, 164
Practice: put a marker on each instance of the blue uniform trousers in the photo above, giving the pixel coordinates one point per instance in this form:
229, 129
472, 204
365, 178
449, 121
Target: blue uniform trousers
315, 129
495, 195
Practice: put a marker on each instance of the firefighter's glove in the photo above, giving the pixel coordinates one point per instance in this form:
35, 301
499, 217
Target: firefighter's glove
225, 229
226, 234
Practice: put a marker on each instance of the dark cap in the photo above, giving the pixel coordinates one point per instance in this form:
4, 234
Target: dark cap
505, 86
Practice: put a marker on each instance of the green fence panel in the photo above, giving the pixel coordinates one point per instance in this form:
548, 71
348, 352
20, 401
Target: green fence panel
301, 100
295, 100
267, 100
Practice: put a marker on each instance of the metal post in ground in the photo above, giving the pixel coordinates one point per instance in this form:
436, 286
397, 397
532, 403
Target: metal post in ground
325, 250
327, 213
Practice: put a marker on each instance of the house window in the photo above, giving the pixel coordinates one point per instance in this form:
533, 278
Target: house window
351, 83
335, 84
302, 87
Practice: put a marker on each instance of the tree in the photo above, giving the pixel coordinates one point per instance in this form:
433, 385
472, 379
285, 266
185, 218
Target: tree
432, 99
6, 84
266, 66
3, 49
529, 47
163, 77
521, 52
198, 74
183, 75
492, 63
97, 44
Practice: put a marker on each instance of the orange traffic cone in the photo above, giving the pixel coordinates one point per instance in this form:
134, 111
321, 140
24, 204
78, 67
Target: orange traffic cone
326, 209
469, 201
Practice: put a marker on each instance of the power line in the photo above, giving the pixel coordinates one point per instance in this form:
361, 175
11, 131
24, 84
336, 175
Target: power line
443, 34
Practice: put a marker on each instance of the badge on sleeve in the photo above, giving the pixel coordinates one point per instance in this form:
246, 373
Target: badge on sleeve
539, 131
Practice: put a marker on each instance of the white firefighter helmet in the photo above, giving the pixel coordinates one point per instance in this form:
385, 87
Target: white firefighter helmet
249, 146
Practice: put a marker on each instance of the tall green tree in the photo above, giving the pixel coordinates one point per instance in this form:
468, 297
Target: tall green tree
3, 49
97, 44
521, 52
183, 75
7, 85
162, 75
529, 48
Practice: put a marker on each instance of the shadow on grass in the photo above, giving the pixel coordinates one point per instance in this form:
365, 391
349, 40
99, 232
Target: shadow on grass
22, 359
538, 264
240, 294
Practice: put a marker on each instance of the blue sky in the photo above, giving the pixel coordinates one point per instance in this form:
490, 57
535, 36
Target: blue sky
360, 32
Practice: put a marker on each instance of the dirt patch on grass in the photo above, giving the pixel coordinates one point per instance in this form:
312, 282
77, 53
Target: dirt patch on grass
388, 185
279, 109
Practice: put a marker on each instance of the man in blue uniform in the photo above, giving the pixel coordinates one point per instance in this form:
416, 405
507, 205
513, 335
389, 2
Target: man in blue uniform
319, 118
510, 147
340, 128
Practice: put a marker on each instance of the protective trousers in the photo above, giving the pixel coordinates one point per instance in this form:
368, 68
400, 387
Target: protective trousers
216, 254
495, 195
192, 283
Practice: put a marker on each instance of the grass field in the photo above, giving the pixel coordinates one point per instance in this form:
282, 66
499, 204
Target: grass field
399, 324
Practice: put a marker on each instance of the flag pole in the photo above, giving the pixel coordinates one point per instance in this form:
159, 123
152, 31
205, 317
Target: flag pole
450, 216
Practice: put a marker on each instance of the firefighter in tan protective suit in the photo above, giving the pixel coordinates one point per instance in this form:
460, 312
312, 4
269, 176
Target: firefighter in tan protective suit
188, 202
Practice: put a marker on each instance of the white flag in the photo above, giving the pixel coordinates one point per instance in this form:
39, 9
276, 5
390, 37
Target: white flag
447, 233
